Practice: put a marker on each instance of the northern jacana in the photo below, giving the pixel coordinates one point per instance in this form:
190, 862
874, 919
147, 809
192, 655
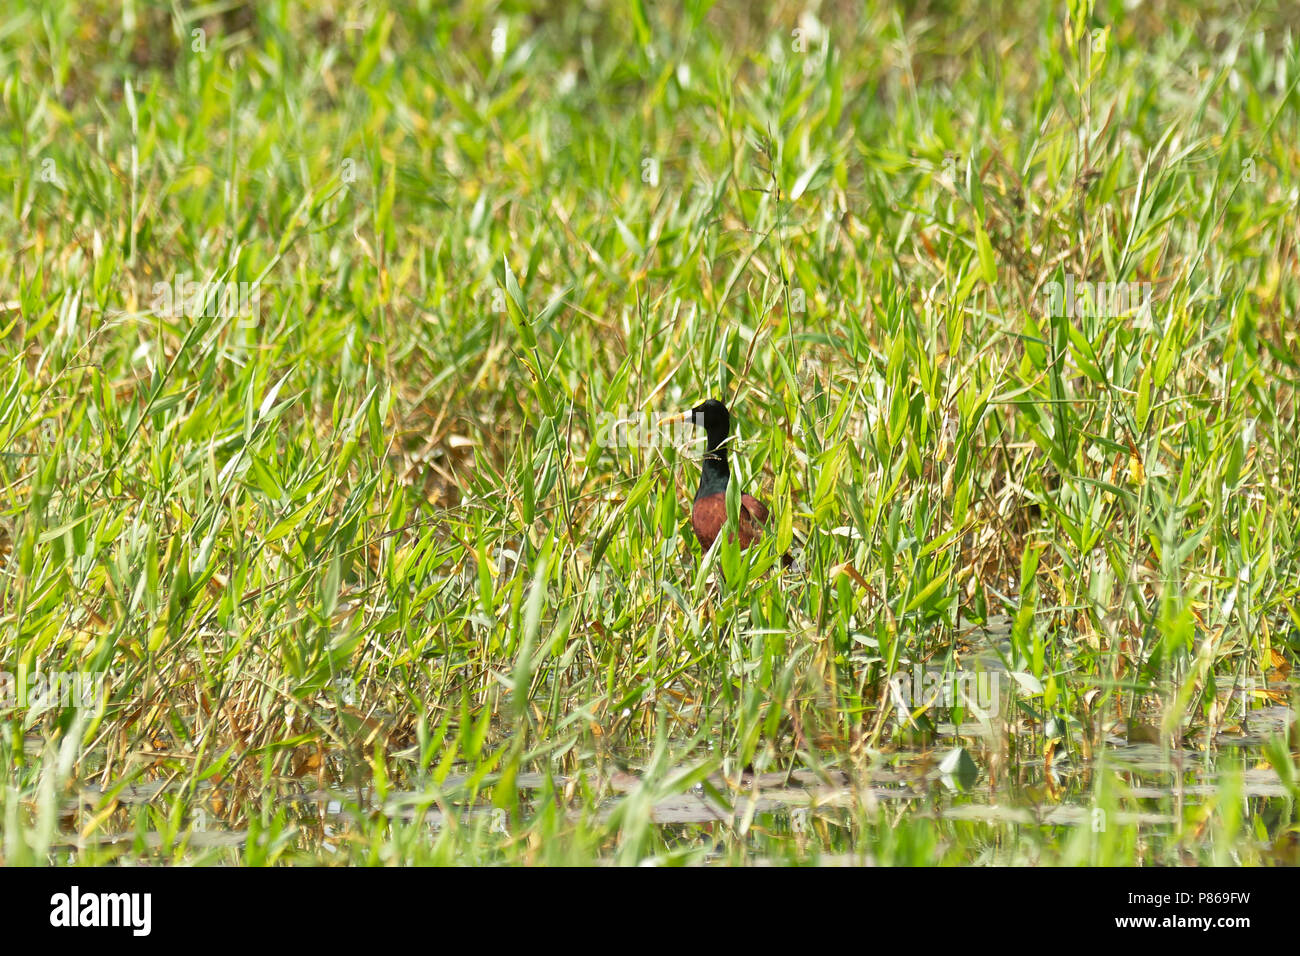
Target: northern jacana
709, 512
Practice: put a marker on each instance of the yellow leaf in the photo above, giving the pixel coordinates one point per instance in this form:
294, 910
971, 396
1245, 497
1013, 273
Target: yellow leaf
1136, 473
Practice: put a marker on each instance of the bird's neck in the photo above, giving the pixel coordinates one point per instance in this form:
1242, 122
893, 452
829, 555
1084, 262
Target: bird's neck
714, 473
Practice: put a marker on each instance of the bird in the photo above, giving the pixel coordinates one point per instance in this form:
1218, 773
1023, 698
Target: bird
709, 513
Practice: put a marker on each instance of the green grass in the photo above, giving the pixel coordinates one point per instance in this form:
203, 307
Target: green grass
363, 537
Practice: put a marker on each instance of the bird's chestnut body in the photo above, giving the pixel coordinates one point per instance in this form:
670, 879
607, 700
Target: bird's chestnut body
709, 513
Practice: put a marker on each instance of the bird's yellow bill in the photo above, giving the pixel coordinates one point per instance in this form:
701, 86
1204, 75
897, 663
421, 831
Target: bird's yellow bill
675, 418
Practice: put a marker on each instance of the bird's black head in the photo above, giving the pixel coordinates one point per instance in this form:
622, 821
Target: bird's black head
712, 416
